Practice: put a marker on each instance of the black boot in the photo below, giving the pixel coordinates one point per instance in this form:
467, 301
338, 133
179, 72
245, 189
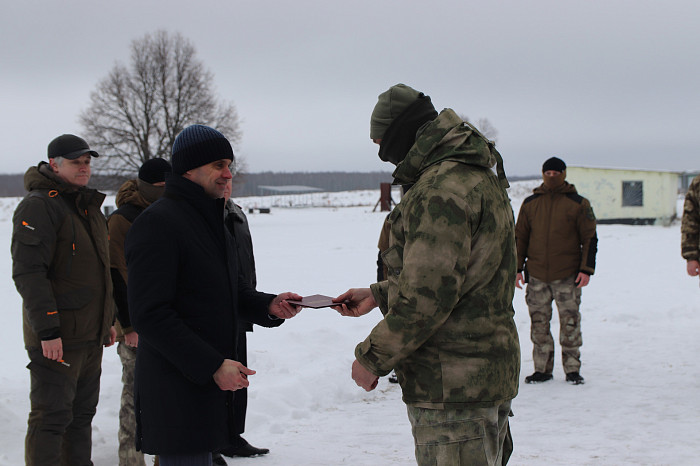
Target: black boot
538, 377
217, 459
574, 378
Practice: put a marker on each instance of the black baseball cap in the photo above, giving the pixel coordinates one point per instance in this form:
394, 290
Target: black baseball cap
69, 147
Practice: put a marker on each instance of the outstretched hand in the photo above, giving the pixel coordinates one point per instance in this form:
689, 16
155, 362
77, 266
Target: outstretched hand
519, 280
355, 302
279, 307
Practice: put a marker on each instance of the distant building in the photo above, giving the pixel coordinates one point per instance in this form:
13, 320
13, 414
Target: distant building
628, 196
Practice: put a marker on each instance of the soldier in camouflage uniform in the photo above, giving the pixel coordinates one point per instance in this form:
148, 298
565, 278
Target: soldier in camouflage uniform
448, 327
556, 235
690, 228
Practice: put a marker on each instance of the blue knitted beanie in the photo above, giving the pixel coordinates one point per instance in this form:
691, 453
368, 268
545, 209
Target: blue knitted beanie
199, 145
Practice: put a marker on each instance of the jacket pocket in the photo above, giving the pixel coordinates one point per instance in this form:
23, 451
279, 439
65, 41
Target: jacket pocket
77, 322
49, 388
74, 299
393, 259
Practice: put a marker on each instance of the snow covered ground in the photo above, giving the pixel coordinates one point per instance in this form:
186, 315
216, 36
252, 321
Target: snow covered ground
641, 317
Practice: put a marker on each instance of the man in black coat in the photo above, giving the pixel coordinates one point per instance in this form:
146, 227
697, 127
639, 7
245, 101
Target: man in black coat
185, 301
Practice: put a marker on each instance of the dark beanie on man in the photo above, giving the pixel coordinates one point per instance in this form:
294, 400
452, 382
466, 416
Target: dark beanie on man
199, 145
153, 170
555, 164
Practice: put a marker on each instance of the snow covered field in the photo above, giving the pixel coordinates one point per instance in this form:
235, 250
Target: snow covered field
641, 317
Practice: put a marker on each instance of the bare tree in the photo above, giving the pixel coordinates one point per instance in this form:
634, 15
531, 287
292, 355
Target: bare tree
137, 111
484, 126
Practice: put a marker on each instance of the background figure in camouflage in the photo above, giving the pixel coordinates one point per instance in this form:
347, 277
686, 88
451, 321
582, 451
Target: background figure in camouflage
448, 327
132, 198
690, 228
557, 245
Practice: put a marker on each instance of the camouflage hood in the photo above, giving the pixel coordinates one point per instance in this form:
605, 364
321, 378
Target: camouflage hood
448, 138
129, 194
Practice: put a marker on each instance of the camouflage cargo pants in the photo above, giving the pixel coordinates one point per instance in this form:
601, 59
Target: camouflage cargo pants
128, 456
539, 296
462, 437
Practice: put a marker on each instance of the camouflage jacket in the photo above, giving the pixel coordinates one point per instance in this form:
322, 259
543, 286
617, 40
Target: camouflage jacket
690, 225
448, 327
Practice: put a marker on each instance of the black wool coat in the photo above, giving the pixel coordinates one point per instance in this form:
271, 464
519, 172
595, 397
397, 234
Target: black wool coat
184, 296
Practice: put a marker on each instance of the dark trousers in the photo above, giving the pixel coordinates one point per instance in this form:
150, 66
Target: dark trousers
240, 397
63, 402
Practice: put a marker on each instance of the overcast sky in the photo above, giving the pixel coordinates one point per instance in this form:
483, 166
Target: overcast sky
612, 83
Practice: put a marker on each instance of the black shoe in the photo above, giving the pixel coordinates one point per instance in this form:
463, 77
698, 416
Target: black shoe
218, 460
245, 449
393, 378
574, 378
538, 377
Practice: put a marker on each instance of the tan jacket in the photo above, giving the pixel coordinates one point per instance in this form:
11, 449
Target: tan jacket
119, 225
556, 234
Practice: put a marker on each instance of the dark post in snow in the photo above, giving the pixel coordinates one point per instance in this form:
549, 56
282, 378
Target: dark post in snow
385, 200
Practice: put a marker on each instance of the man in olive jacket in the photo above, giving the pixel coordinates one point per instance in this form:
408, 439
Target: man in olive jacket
448, 327
60, 265
557, 244
186, 297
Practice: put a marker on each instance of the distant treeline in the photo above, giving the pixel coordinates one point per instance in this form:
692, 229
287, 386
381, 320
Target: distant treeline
247, 184
244, 184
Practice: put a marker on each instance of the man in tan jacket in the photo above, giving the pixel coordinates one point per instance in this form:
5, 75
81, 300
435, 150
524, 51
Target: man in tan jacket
557, 243
134, 197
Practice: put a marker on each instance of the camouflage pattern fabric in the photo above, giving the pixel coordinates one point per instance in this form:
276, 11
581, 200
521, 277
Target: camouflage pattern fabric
448, 327
539, 296
690, 224
462, 436
128, 456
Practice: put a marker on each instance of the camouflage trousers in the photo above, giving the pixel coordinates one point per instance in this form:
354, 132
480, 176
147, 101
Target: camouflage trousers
539, 296
462, 437
128, 456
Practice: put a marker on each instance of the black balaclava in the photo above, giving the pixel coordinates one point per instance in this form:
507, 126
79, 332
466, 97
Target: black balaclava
401, 133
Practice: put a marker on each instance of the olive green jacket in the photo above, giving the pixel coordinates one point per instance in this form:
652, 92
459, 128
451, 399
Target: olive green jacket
60, 262
448, 327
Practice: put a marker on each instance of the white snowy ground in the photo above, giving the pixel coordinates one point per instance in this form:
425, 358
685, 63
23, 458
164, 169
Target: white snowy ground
641, 318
